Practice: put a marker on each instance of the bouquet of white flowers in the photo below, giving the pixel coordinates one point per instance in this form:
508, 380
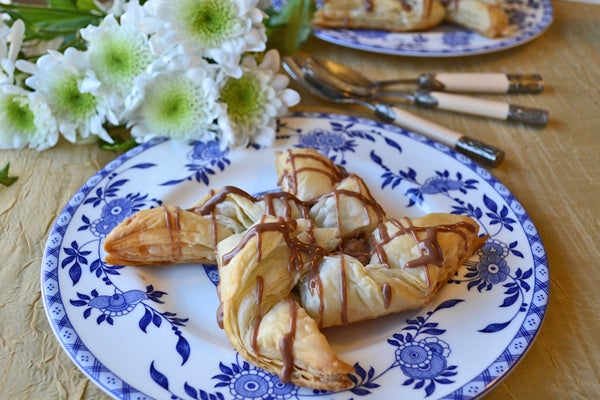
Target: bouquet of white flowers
185, 69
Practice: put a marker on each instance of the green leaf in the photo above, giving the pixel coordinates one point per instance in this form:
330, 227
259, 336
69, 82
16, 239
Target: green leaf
65, 4
5, 179
289, 28
119, 145
87, 5
46, 23
73, 4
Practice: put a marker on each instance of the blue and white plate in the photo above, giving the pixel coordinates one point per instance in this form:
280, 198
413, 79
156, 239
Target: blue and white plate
151, 332
531, 17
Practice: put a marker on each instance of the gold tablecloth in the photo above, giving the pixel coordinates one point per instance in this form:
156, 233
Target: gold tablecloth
553, 172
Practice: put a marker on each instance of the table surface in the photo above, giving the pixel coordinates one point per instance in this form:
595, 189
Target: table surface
553, 172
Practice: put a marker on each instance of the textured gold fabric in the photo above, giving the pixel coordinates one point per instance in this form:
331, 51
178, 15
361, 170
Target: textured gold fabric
554, 173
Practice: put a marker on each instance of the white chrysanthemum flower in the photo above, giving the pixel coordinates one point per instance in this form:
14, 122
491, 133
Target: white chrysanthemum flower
118, 54
11, 40
255, 101
71, 90
221, 30
179, 103
26, 120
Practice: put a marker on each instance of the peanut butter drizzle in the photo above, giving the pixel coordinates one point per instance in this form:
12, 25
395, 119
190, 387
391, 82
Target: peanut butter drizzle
174, 227
286, 344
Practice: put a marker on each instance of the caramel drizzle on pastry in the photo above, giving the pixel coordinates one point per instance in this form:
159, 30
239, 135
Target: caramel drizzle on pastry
386, 294
174, 227
258, 319
343, 292
431, 252
427, 5
295, 263
286, 344
314, 281
356, 246
301, 253
337, 173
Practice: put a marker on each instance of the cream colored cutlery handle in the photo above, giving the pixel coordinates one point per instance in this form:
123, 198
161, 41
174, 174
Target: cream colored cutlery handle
482, 107
473, 148
465, 104
489, 82
423, 126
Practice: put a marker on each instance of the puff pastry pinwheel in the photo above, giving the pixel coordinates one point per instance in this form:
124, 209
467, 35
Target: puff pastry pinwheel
411, 259
164, 235
320, 252
262, 319
306, 174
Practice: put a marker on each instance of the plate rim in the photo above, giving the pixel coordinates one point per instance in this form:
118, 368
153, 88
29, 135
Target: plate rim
78, 198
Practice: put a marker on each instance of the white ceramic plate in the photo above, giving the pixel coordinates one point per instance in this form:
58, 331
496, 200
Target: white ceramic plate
152, 332
531, 17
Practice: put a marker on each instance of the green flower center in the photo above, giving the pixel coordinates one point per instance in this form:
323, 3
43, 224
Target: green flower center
70, 101
172, 105
118, 60
209, 22
244, 98
18, 114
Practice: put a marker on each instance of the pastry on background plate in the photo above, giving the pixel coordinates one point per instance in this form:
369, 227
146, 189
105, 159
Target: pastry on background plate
483, 16
320, 252
388, 15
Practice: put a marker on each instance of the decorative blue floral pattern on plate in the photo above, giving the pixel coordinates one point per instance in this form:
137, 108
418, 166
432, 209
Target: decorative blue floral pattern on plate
531, 17
151, 332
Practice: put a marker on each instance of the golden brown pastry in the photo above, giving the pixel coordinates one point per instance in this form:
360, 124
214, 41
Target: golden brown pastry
262, 320
411, 259
169, 235
483, 16
238, 210
164, 235
390, 15
306, 174
319, 253
348, 207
